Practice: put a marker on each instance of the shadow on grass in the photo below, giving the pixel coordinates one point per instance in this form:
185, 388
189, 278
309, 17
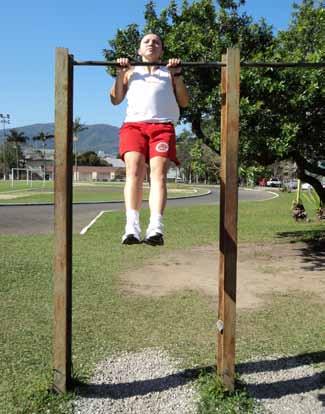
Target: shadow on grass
139, 388
270, 389
313, 253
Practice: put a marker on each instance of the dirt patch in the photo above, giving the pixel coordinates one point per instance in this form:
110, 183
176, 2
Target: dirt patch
262, 269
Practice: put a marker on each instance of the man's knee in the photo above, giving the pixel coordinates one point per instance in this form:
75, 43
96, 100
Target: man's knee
158, 169
135, 166
135, 171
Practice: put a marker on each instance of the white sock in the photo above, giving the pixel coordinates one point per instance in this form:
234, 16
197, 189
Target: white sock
132, 216
156, 224
132, 221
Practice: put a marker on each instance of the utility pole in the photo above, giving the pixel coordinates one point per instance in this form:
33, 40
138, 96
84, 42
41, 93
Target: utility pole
5, 119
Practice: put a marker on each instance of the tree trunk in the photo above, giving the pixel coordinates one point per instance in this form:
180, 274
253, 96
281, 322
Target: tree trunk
314, 182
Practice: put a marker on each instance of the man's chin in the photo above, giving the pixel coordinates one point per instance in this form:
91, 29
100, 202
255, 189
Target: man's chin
151, 56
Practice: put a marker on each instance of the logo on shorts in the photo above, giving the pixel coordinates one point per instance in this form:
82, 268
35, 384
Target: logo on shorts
162, 147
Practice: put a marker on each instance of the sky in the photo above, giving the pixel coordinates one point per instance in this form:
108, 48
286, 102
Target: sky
31, 30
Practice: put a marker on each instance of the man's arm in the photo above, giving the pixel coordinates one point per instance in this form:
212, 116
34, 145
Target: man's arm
181, 93
120, 86
180, 89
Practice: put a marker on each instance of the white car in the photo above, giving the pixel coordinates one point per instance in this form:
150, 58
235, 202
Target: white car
274, 182
306, 186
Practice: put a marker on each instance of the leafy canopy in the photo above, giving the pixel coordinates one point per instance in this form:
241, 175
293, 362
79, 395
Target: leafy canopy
282, 111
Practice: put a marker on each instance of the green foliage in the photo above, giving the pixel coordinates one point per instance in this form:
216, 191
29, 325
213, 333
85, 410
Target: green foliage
282, 110
196, 32
125, 44
38, 399
91, 158
216, 399
10, 152
16, 137
10, 146
251, 175
184, 143
196, 154
197, 158
43, 137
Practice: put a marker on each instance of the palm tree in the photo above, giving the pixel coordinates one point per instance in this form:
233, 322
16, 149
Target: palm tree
43, 137
77, 127
16, 138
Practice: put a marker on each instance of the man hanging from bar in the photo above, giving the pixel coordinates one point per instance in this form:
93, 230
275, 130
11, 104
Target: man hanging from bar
147, 136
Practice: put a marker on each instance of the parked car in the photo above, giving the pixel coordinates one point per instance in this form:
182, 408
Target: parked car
305, 186
274, 182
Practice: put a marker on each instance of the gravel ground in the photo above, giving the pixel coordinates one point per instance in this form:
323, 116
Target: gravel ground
138, 383
285, 385
151, 382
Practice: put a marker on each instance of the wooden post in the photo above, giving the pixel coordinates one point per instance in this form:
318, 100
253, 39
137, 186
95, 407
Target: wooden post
226, 325
63, 220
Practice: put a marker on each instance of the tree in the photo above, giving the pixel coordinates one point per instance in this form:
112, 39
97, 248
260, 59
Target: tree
43, 137
305, 40
197, 158
196, 32
8, 156
197, 164
16, 138
91, 158
77, 127
212, 162
283, 111
184, 144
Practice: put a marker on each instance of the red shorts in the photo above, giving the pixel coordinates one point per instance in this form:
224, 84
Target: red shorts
150, 139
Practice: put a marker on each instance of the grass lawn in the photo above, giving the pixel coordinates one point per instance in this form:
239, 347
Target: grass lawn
42, 192
106, 321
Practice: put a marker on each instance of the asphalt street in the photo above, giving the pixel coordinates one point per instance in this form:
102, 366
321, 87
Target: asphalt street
39, 219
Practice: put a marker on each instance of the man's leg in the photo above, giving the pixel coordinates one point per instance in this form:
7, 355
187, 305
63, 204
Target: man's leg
157, 199
133, 189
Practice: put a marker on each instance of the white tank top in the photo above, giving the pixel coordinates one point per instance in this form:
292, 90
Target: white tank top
151, 97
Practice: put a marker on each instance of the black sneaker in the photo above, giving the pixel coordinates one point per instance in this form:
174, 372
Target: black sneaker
155, 240
130, 239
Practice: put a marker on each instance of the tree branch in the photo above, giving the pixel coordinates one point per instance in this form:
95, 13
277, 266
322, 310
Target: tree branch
303, 166
196, 127
300, 160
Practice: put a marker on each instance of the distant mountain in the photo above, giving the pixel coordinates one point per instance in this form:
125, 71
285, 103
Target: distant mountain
98, 137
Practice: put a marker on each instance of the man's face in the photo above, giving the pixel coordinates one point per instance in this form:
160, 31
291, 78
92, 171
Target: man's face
151, 47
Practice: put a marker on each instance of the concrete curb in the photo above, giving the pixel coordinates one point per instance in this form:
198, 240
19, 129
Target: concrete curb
97, 202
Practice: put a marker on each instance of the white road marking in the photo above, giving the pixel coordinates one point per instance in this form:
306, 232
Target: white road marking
267, 191
85, 229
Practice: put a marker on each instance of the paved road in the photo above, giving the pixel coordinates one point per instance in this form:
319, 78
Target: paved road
38, 219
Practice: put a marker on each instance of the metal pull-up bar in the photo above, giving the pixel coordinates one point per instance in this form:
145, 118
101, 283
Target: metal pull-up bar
136, 63
208, 65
